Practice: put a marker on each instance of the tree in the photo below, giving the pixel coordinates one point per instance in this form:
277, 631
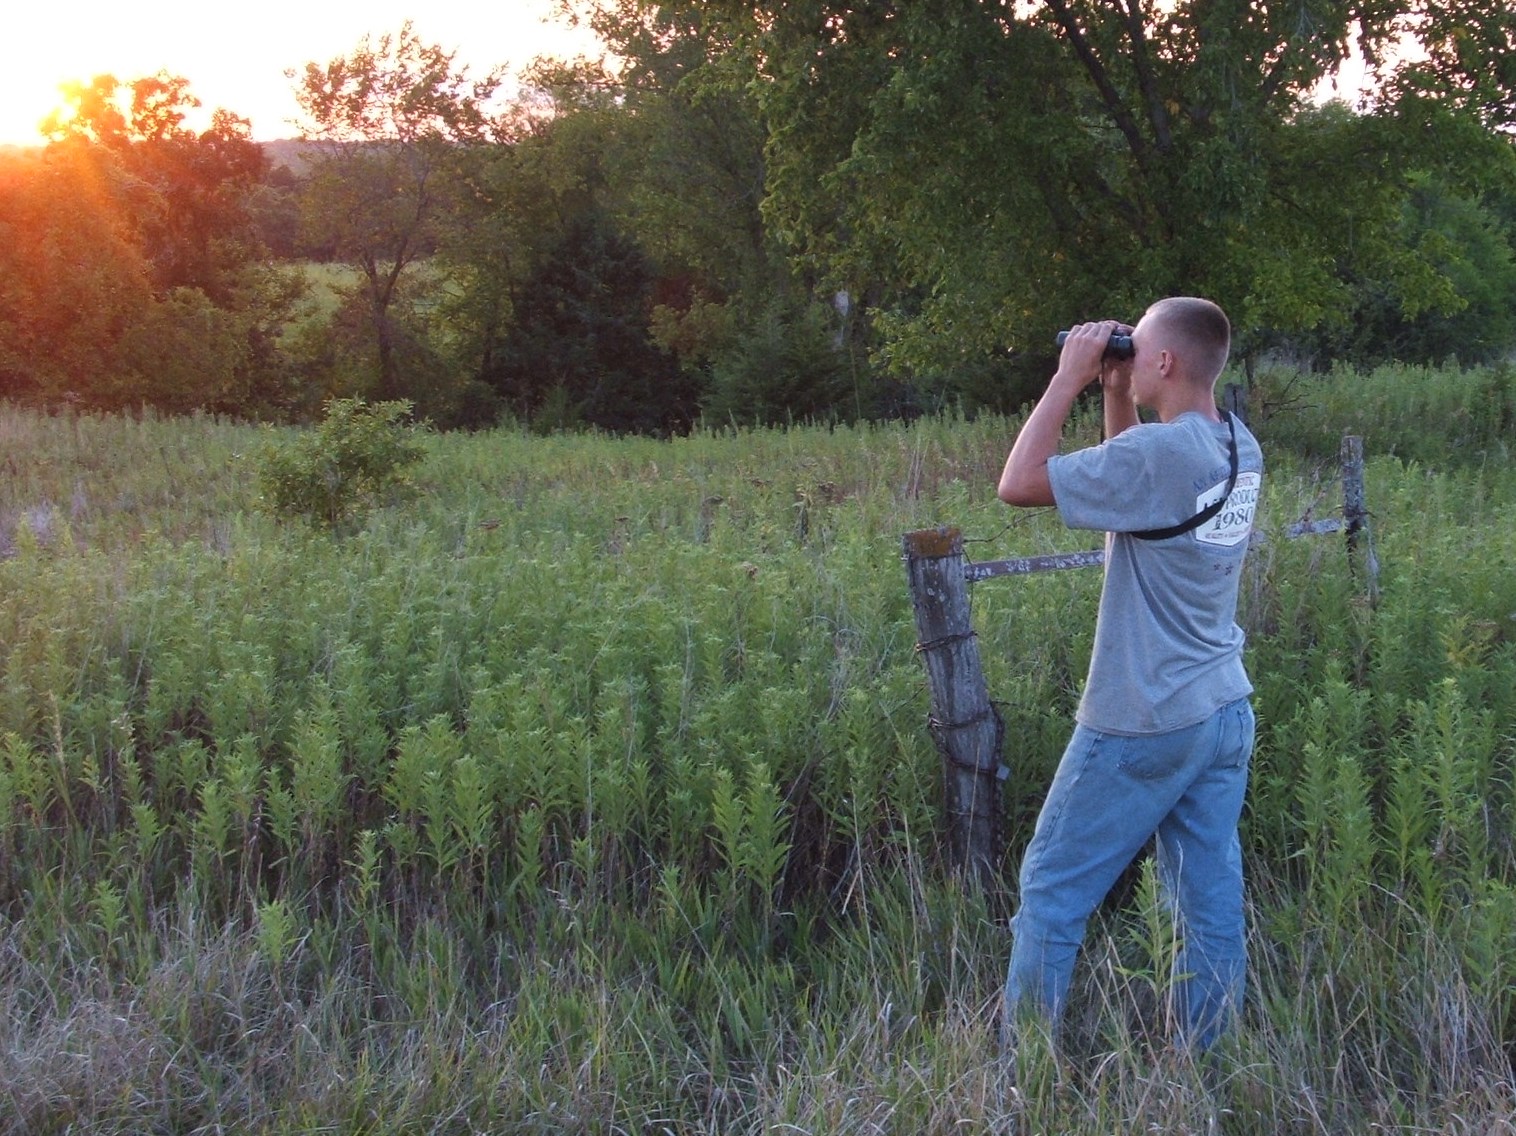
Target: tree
579, 351
556, 286
1473, 249
687, 151
72, 279
1468, 56
782, 366
184, 193
517, 204
130, 273
983, 172
393, 125
358, 456
186, 353
688, 148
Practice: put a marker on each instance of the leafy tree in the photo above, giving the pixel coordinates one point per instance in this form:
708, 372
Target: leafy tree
579, 351
81, 320
184, 193
555, 289
511, 219
1467, 56
1474, 249
72, 278
185, 353
690, 178
274, 212
393, 127
689, 148
135, 277
982, 172
782, 367
335, 354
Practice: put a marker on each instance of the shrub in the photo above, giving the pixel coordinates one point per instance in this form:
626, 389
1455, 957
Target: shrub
786, 367
358, 456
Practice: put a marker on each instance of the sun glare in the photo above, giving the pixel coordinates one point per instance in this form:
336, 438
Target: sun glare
44, 54
238, 60
28, 96
24, 114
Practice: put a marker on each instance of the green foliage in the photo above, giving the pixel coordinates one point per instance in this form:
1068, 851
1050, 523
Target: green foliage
595, 784
1469, 259
183, 193
359, 455
129, 267
180, 353
1439, 416
394, 126
1138, 152
787, 366
581, 353
1469, 46
630, 251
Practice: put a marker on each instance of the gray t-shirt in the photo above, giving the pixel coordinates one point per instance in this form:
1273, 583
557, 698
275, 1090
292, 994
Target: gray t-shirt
1168, 651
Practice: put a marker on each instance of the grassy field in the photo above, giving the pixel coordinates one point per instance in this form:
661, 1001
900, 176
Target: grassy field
590, 791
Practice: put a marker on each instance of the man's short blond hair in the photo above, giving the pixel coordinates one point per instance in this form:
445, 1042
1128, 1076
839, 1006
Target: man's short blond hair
1204, 330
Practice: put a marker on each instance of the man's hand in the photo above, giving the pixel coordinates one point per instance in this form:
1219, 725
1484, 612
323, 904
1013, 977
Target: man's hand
1024, 480
1083, 356
1116, 371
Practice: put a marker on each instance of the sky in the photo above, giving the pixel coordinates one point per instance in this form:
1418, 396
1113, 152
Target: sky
235, 55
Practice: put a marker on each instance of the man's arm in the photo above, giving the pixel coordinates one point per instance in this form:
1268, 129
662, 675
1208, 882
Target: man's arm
1025, 478
1120, 407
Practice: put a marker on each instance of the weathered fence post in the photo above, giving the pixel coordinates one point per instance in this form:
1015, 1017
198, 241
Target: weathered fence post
1355, 519
965, 725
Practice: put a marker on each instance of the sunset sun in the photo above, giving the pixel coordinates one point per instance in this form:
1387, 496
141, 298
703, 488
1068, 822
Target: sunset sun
237, 59
29, 93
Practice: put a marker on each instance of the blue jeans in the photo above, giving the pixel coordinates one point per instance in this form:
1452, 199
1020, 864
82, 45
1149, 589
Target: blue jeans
1109, 795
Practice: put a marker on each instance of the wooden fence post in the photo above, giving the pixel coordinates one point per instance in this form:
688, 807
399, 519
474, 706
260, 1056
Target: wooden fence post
1355, 519
965, 725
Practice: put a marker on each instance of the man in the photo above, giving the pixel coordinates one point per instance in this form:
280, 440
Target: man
1164, 728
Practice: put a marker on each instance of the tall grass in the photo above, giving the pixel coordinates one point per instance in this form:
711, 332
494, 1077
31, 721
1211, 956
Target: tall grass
591, 792
1442, 416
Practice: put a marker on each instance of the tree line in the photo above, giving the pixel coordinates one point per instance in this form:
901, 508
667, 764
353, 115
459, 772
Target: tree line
771, 212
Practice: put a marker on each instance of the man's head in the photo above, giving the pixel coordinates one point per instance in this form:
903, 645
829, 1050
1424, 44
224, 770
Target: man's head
1195, 333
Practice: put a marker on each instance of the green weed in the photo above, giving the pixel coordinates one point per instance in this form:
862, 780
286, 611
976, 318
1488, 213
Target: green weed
590, 790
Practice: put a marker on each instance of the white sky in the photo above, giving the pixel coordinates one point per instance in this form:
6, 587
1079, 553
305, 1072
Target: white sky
235, 55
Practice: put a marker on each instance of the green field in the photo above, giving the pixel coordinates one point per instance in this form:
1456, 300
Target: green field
590, 790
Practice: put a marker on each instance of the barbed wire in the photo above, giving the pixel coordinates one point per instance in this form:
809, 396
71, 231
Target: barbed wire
1024, 518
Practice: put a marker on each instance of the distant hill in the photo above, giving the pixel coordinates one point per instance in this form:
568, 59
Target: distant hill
292, 152
286, 152
281, 152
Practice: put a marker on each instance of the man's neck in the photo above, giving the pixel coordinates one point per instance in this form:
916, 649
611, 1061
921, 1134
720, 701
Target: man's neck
1201, 402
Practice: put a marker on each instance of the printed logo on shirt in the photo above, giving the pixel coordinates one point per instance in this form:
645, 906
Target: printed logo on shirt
1235, 520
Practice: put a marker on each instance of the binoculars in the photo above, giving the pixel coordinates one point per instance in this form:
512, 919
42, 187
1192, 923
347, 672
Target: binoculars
1119, 347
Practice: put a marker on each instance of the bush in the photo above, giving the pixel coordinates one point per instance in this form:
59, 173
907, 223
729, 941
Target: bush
786, 367
358, 456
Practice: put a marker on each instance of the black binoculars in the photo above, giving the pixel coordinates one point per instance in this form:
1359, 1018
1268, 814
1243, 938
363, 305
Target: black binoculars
1120, 346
